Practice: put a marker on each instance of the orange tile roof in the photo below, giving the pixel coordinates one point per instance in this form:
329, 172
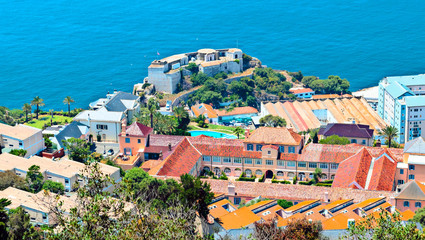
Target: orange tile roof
204, 108
300, 205
236, 111
340, 221
273, 213
322, 96
407, 215
301, 90
219, 211
274, 135
383, 174
367, 202
239, 219
150, 164
259, 204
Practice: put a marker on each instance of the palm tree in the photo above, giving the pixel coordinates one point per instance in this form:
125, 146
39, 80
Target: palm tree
153, 106
68, 100
27, 109
51, 116
180, 113
238, 131
317, 174
388, 133
39, 102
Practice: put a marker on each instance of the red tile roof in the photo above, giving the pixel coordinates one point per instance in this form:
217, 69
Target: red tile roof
271, 146
383, 174
181, 161
137, 130
352, 172
289, 156
204, 109
237, 111
274, 135
301, 90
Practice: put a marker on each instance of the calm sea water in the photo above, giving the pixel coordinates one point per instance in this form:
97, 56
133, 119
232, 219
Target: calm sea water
55, 48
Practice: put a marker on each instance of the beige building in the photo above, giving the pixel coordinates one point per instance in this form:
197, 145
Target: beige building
21, 137
65, 171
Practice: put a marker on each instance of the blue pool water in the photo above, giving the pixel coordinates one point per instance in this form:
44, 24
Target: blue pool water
212, 134
55, 48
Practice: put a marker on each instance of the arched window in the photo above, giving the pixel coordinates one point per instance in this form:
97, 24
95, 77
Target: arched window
332, 176
311, 175
206, 169
291, 174
324, 176
258, 172
217, 171
248, 172
227, 171
279, 173
406, 203
238, 171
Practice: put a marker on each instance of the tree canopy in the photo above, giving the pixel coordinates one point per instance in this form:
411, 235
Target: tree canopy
78, 149
273, 121
331, 85
335, 140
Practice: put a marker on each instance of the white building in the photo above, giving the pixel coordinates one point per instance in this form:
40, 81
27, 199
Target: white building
166, 73
103, 125
126, 103
21, 137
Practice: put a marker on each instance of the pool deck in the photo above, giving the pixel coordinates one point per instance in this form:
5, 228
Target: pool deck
224, 134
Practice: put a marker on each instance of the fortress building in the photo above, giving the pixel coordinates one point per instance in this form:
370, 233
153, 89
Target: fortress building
166, 73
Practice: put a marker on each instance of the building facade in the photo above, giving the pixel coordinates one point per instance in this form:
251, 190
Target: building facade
165, 73
401, 104
355, 133
21, 137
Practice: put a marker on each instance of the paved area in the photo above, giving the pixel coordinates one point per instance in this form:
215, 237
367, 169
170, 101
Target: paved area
103, 147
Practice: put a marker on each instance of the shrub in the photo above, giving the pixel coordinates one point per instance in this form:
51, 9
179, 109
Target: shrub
18, 152
237, 61
246, 179
324, 184
262, 178
294, 180
328, 181
223, 176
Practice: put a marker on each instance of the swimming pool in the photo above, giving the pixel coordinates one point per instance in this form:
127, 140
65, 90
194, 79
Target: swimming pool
212, 134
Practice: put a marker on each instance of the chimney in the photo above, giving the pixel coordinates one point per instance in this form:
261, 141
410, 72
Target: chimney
378, 143
231, 189
246, 133
123, 126
169, 146
326, 197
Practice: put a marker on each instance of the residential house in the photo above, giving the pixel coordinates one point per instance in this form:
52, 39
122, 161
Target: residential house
103, 125
302, 92
206, 110
401, 104
410, 196
37, 205
21, 137
236, 114
118, 101
413, 165
356, 133
65, 171
72, 130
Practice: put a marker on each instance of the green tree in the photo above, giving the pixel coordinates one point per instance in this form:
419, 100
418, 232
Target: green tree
284, 204
48, 143
38, 102
68, 100
20, 226
240, 88
78, 149
307, 80
27, 109
4, 218
198, 78
210, 97
335, 140
297, 75
192, 67
18, 152
55, 187
238, 131
251, 101
317, 175
389, 133
34, 179
295, 229
273, 121
383, 226
10, 179
182, 117
420, 216
153, 106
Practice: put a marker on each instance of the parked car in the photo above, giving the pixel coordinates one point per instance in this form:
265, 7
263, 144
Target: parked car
110, 152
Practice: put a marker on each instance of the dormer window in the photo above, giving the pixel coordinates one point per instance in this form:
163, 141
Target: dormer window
250, 147
259, 147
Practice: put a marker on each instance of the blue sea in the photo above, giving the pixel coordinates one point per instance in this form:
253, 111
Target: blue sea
55, 48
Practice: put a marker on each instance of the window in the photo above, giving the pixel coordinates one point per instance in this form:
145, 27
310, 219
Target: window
216, 159
282, 149
269, 162
411, 177
258, 161
406, 203
364, 142
399, 182
302, 164
250, 147
418, 204
258, 172
20, 144
291, 174
248, 173
280, 163
323, 165
237, 200
248, 160
411, 167
237, 160
353, 141
324, 176
49, 177
66, 180
401, 171
139, 141
206, 158
227, 170
127, 140
44, 216
259, 147
291, 149
269, 152
334, 165
312, 165
101, 127
290, 163
227, 160
279, 173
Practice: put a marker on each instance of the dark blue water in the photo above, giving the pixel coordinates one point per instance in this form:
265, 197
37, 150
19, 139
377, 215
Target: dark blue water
55, 48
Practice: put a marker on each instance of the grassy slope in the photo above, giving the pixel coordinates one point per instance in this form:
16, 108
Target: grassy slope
44, 119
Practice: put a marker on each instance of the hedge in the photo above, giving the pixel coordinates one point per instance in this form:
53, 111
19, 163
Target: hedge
324, 184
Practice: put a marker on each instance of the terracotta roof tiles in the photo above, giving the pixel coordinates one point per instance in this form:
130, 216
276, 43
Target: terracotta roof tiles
237, 111
274, 135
